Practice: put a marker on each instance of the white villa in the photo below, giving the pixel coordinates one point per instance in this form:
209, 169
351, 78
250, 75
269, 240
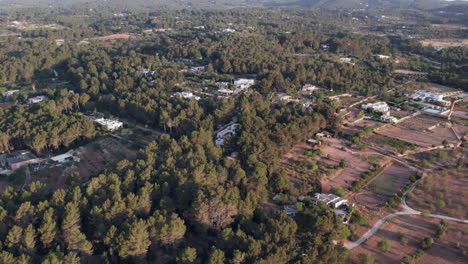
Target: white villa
10, 93
229, 130
244, 83
330, 200
379, 107
187, 95
110, 124
430, 96
37, 99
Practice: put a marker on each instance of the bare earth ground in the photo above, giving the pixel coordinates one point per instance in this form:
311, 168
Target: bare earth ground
415, 228
95, 157
449, 26
118, 36
448, 250
403, 71
444, 43
423, 139
449, 187
357, 163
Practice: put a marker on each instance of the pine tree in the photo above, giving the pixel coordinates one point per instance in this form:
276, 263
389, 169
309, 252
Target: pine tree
72, 236
48, 229
135, 241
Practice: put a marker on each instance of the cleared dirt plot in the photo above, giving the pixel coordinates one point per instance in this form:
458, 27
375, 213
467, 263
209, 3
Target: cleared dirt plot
422, 130
442, 193
95, 157
422, 122
444, 43
405, 234
403, 71
118, 36
451, 249
298, 165
388, 143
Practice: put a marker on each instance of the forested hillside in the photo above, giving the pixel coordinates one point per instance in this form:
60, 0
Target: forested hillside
173, 81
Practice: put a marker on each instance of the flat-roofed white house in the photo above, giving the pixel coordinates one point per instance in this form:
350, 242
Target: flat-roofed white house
378, 106
229, 130
109, 124
244, 83
10, 93
330, 199
37, 99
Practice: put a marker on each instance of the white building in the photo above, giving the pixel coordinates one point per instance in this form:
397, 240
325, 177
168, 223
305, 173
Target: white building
109, 123
187, 95
199, 27
228, 30
383, 57
330, 200
229, 130
198, 68
309, 88
430, 96
379, 107
346, 60
10, 93
66, 157
244, 83
147, 72
388, 118
37, 99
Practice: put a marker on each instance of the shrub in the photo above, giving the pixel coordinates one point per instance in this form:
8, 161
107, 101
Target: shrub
338, 191
384, 245
359, 219
366, 259
427, 243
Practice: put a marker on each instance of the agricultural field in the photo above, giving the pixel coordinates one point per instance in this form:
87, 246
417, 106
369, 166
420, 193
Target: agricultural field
415, 138
332, 173
405, 235
444, 43
388, 143
391, 180
442, 193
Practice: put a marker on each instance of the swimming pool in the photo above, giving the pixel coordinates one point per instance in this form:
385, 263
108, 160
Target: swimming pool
434, 111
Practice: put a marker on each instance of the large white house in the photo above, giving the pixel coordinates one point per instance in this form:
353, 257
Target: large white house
187, 95
330, 200
244, 83
379, 107
37, 99
10, 93
229, 130
109, 123
430, 96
